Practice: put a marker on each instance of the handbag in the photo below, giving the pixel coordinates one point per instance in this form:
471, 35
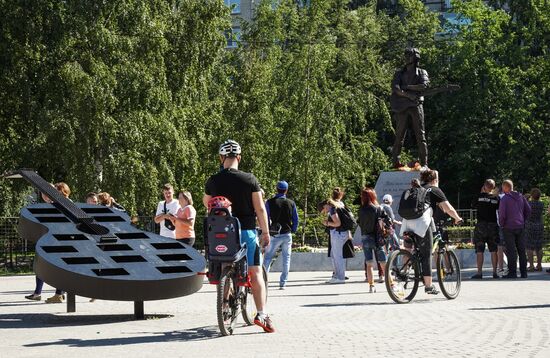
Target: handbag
167, 223
382, 232
348, 251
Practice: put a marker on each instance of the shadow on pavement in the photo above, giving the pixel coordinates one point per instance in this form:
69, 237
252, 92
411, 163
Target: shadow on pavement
352, 304
510, 307
26, 292
38, 320
21, 303
488, 276
195, 334
320, 294
320, 283
347, 304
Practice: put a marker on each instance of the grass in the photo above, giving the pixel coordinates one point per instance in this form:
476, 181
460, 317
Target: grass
16, 271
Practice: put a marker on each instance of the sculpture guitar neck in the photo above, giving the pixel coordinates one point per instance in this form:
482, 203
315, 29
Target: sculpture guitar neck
84, 221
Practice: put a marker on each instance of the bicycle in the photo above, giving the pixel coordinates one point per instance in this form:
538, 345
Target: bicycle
227, 260
234, 298
404, 272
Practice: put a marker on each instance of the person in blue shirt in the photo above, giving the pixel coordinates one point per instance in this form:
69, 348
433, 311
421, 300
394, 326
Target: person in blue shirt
283, 220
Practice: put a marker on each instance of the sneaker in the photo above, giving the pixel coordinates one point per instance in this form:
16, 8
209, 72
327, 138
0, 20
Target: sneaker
335, 281
524, 275
372, 289
477, 276
282, 287
510, 275
495, 275
55, 299
34, 297
265, 323
431, 290
92, 299
381, 279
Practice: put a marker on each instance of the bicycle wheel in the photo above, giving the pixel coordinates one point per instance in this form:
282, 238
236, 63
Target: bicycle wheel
227, 301
249, 307
401, 276
448, 274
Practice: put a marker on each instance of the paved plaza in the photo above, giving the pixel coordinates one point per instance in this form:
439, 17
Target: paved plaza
491, 318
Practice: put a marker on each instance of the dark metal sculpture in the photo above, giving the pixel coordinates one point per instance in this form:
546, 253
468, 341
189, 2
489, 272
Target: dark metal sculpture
94, 251
409, 87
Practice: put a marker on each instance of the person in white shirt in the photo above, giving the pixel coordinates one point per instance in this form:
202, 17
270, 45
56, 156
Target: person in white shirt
166, 212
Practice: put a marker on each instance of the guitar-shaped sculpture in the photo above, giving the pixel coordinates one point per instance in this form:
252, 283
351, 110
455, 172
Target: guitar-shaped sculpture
399, 104
93, 251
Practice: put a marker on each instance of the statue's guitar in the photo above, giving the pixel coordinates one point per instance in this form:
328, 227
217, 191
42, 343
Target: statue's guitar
399, 104
93, 251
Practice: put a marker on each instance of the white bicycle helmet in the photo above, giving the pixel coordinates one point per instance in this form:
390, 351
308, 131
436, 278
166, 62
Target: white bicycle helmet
230, 148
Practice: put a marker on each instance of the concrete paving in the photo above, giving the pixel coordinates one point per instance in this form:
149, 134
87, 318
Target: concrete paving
490, 318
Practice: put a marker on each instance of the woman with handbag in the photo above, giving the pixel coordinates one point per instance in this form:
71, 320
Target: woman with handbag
339, 234
370, 214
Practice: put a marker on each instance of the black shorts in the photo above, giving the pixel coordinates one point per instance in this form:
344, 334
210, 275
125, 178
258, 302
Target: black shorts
486, 233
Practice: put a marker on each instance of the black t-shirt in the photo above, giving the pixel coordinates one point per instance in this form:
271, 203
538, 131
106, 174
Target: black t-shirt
368, 215
435, 196
487, 206
237, 186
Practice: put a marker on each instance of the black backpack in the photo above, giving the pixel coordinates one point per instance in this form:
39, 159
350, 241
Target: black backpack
347, 221
413, 203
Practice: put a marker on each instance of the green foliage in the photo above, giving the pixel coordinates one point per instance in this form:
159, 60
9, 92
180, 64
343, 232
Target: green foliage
124, 96
497, 124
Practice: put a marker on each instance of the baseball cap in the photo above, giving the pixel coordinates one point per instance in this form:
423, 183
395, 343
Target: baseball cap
282, 185
387, 198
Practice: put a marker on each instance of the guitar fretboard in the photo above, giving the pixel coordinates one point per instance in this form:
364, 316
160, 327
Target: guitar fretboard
66, 206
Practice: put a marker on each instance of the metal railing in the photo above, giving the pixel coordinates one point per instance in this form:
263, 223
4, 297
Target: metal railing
16, 254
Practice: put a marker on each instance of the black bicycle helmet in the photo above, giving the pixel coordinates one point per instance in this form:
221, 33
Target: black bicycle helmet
230, 148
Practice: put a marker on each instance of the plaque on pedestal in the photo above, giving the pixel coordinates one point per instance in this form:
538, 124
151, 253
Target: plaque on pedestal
394, 183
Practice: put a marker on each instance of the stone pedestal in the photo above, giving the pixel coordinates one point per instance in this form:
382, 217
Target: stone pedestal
394, 183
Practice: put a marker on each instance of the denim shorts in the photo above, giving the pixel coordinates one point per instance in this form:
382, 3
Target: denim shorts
370, 249
253, 254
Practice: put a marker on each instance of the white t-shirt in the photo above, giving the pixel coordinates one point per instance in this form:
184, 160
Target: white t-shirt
172, 208
419, 226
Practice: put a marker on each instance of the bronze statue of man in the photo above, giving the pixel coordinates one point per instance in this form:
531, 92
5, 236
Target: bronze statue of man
406, 102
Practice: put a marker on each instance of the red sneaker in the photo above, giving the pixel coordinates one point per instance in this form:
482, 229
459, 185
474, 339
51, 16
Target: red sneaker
265, 323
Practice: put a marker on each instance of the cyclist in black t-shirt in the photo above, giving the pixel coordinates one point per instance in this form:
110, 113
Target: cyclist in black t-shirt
486, 230
244, 192
437, 201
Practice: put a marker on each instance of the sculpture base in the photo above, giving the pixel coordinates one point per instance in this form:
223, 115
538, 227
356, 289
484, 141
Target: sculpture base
394, 183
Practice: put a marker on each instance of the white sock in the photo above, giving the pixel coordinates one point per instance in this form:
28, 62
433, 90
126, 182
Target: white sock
261, 314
